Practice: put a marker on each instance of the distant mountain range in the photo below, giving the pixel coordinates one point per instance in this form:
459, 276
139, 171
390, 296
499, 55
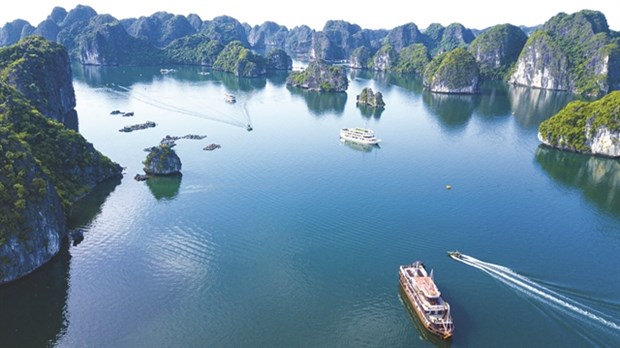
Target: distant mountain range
576, 52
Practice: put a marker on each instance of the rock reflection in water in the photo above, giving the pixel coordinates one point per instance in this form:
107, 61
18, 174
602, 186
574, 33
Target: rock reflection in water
165, 187
320, 103
531, 106
452, 110
597, 177
33, 309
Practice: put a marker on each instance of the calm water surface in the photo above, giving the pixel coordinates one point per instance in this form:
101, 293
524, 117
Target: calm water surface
286, 237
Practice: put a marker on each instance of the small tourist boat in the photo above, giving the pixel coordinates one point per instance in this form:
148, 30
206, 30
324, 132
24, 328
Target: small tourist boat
230, 98
359, 135
455, 255
167, 71
426, 300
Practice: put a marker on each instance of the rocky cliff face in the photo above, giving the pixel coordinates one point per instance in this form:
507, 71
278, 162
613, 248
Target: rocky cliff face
454, 72
454, 35
45, 167
105, 42
268, 34
360, 58
403, 36
161, 28
384, 59
586, 127
542, 64
45, 80
337, 41
195, 21
162, 160
277, 59
31, 217
240, 61
225, 29
497, 49
299, 41
319, 76
47, 29
576, 53
11, 32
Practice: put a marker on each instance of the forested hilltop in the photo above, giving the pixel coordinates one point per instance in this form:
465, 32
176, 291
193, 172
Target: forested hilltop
44, 166
571, 52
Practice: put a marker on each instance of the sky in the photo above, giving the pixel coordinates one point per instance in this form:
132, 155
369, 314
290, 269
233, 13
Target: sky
385, 14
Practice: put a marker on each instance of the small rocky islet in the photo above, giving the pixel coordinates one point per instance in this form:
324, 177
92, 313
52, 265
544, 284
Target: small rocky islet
369, 98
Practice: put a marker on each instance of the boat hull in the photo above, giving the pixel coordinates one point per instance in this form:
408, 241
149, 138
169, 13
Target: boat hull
360, 141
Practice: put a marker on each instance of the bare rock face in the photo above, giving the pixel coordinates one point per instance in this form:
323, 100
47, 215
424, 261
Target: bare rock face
360, 58
162, 160
576, 53
542, 64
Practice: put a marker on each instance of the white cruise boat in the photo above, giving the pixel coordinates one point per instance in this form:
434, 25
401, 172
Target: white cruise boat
359, 135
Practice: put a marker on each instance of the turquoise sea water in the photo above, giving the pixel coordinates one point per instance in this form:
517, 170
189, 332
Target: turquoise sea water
286, 237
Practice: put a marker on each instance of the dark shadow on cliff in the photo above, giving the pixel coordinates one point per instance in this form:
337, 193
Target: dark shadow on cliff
452, 110
32, 309
597, 178
531, 106
320, 103
165, 187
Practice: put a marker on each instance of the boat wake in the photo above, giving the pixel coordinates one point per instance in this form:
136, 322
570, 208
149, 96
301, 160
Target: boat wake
541, 293
241, 119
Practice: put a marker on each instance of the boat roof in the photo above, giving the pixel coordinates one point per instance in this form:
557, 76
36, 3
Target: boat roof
428, 287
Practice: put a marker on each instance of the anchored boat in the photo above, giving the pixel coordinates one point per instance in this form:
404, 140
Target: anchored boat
359, 135
426, 300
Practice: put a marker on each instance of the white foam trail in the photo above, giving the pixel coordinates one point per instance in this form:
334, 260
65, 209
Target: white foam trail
168, 107
524, 284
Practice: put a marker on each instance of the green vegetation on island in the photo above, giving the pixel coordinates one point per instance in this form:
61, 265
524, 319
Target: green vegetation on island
44, 166
412, 59
497, 49
576, 126
240, 61
196, 49
453, 72
588, 50
320, 76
